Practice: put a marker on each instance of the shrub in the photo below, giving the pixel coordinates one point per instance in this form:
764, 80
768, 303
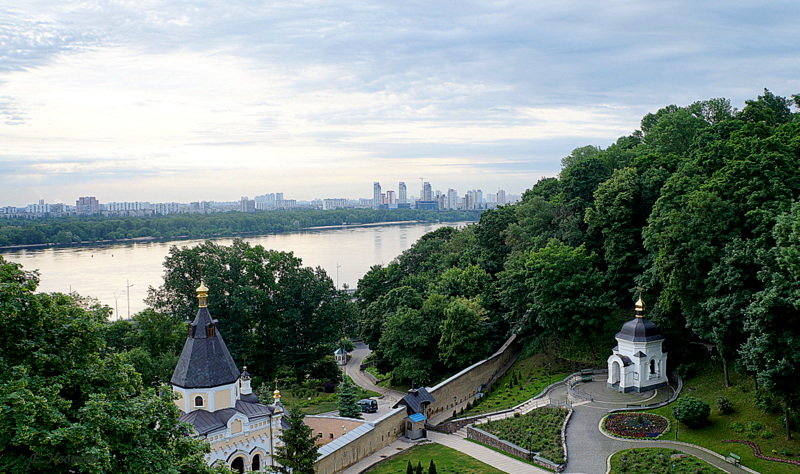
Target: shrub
692, 412
737, 427
754, 426
767, 402
724, 406
767, 434
686, 371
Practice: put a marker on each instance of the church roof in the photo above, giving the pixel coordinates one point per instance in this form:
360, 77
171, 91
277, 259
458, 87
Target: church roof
415, 399
205, 361
639, 330
205, 422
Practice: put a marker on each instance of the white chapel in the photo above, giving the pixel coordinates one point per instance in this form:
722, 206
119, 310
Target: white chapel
638, 363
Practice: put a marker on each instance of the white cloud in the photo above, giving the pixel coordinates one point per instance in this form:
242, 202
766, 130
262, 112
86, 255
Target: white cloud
324, 97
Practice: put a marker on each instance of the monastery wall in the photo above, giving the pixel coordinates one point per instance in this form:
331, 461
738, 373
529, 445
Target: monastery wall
451, 394
460, 389
360, 443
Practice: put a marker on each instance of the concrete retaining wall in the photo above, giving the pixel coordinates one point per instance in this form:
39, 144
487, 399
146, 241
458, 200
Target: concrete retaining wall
348, 450
489, 439
461, 388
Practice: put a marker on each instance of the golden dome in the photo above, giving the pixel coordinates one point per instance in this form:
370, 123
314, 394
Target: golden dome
202, 294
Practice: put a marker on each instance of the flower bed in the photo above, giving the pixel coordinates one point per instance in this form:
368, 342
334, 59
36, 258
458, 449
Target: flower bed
538, 431
636, 425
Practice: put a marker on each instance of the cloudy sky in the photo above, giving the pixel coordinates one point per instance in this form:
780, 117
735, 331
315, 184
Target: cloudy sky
189, 100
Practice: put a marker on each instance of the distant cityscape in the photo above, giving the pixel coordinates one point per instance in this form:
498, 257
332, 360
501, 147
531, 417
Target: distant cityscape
430, 199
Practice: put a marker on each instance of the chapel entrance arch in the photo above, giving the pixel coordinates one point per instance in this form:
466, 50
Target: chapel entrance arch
615, 371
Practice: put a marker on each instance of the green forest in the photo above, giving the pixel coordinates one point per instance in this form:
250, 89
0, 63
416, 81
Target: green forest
699, 208
69, 230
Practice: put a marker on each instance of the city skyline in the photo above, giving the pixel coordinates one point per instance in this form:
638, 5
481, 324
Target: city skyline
273, 200
161, 102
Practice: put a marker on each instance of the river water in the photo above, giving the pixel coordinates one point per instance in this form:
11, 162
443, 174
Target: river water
112, 273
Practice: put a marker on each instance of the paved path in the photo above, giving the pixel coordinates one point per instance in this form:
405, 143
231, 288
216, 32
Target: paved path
588, 448
397, 446
484, 454
365, 379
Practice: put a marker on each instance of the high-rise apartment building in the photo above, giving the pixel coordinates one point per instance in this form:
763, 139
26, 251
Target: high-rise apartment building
402, 197
247, 205
376, 195
87, 205
336, 203
427, 192
452, 199
390, 199
501, 197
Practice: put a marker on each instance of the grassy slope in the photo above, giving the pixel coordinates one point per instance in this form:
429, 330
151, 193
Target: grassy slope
320, 402
657, 460
534, 374
708, 386
539, 431
447, 461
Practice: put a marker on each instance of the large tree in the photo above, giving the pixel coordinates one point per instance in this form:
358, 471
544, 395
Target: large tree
274, 312
67, 403
298, 452
772, 350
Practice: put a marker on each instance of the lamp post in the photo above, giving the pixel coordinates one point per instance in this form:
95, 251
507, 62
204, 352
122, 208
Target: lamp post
337, 275
128, 286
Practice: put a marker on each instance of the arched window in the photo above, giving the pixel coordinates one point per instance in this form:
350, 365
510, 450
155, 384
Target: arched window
652, 367
256, 463
238, 464
198, 401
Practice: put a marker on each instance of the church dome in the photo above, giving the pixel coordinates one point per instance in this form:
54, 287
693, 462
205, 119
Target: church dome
639, 330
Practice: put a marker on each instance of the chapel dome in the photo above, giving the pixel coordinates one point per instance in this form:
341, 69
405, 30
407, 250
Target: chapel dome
639, 330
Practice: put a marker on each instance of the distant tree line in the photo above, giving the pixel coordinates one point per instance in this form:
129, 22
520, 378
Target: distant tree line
73, 229
699, 207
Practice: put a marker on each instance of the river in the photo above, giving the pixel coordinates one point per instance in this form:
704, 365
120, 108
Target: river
110, 272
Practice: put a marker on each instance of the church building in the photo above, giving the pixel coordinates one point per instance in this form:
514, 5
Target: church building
638, 363
217, 400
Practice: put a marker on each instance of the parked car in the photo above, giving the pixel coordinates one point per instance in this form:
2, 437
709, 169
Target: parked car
368, 405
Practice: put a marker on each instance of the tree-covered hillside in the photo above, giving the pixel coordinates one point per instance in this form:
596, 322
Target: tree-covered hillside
699, 207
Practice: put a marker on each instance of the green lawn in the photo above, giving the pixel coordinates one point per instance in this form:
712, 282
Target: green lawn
538, 431
320, 402
753, 424
657, 460
524, 380
447, 461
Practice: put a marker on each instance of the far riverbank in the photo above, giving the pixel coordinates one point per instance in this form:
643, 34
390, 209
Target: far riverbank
104, 242
115, 272
100, 230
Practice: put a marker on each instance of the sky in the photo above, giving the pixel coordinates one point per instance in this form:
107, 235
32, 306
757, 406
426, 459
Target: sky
175, 100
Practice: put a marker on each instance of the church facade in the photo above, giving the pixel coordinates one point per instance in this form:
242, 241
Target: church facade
638, 363
217, 400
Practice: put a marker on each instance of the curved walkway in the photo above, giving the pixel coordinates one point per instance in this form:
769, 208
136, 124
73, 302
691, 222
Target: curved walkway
364, 379
589, 448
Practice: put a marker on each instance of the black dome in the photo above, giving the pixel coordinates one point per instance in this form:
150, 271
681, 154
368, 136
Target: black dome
639, 330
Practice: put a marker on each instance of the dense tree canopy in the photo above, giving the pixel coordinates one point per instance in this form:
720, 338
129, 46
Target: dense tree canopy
699, 207
277, 317
69, 404
72, 229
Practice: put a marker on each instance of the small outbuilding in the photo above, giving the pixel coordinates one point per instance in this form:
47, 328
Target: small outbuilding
341, 356
416, 403
638, 363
